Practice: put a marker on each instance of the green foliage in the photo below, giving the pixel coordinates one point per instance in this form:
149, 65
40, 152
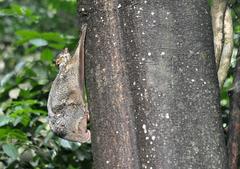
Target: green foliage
210, 2
228, 85
32, 33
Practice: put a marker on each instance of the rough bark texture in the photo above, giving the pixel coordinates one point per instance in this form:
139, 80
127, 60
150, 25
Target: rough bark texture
234, 123
153, 91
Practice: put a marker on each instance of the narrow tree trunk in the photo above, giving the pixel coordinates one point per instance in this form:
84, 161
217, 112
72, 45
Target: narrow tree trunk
234, 123
153, 91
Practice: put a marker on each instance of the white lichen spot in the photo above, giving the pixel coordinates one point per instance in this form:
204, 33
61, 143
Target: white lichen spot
82, 9
146, 138
141, 8
113, 34
107, 162
193, 80
134, 83
167, 116
138, 12
143, 33
162, 53
143, 79
124, 24
196, 69
144, 166
131, 30
114, 43
143, 59
119, 6
148, 162
152, 13
151, 142
153, 138
117, 132
168, 13
96, 35
204, 82
150, 168
144, 128
195, 149
154, 21
145, 2
149, 53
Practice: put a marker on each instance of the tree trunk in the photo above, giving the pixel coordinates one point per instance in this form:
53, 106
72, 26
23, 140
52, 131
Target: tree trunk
153, 91
234, 122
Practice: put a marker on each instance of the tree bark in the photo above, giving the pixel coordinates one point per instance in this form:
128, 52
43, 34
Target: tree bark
223, 37
234, 122
152, 82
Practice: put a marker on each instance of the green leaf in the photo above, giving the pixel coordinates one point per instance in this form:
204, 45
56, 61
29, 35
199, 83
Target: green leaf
228, 83
4, 120
51, 36
24, 114
224, 102
47, 55
25, 102
10, 150
56, 46
38, 42
210, 2
17, 9
28, 34
43, 81
6, 78
64, 143
237, 28
9, 133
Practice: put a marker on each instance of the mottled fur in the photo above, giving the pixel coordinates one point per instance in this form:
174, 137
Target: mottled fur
67, 112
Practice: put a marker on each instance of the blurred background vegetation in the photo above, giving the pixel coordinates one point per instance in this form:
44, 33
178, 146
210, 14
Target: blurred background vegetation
32, 33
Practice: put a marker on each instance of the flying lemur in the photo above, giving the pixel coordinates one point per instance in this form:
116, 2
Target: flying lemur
67, 112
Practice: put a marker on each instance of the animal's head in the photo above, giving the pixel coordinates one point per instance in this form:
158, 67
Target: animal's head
63, 58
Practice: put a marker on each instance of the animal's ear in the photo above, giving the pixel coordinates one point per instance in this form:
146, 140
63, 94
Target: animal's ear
65, 50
